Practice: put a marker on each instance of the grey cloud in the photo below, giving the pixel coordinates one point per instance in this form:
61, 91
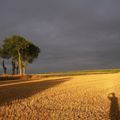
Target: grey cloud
73, 34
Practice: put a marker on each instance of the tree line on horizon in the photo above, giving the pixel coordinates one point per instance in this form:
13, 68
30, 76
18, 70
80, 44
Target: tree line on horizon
20, 52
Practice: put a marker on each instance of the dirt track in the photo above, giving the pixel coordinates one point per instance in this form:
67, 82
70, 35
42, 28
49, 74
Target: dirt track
82, 97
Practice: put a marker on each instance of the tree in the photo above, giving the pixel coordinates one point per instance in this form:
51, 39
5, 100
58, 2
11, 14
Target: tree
21, 50
4, 55
30, 53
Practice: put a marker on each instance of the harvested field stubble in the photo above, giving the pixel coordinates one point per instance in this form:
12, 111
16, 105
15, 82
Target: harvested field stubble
75, 98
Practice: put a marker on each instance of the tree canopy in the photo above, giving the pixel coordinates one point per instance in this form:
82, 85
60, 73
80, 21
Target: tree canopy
19, 49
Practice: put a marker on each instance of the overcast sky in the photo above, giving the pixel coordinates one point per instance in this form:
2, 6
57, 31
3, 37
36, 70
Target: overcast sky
72, 34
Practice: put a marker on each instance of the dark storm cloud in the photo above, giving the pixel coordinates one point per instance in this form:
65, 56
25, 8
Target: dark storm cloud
73, 34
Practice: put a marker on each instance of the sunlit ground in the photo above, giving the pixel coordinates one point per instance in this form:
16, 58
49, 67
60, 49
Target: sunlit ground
84, 97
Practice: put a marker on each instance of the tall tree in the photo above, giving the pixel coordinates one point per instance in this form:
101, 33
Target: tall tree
30, 53
4, 55
14, 45
21, 50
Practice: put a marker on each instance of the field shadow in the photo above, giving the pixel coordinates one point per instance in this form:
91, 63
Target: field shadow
114, 112
24, 90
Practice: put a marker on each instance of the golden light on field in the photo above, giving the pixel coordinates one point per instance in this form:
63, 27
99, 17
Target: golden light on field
83, 97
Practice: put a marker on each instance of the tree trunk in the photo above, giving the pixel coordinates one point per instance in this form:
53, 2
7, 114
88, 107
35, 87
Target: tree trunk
4, 67
17, 69
24, 68
20, 63
13, 67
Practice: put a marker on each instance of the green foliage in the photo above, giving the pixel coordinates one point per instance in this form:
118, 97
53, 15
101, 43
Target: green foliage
30, 53
4, 53
19, 49
14, 44
17, 43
